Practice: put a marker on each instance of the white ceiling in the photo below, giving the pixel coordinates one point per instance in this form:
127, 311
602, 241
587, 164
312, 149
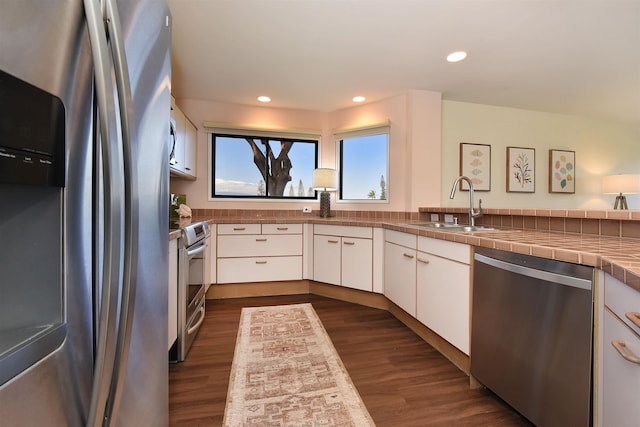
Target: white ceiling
563, 56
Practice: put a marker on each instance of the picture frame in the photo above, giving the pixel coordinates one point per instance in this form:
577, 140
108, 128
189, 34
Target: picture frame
475, 164
521, 166
562, 167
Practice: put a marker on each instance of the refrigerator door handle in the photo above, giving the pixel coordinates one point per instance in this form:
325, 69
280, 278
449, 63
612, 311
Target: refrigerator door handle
112, 173
131, 211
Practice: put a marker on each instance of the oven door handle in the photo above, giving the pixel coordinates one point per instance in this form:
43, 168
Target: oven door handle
196, 249
195, 327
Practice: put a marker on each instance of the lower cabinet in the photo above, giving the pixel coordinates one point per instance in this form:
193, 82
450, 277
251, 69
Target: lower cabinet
620, 355
173, 292
258, 253
443, 291
430, 280
343, 255
400, 270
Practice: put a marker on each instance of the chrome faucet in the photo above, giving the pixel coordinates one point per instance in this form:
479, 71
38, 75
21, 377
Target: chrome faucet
473, 214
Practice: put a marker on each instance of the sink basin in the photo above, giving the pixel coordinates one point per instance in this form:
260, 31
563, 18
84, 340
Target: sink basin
475, 228
437, 225
454, 227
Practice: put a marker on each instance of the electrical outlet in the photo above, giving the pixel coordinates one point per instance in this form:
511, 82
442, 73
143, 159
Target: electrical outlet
435, 218
448, 218
306, 209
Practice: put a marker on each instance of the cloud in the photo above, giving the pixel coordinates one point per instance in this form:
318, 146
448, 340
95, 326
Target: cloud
224, 186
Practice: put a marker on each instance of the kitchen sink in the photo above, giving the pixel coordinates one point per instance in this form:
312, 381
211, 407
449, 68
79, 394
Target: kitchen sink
453, 227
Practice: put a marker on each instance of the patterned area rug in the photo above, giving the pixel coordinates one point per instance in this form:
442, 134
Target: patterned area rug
286, 372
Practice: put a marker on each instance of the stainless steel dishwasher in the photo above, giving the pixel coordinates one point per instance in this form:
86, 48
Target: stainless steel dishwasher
532, 335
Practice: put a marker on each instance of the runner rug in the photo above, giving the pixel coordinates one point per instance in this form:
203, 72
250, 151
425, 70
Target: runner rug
286, 372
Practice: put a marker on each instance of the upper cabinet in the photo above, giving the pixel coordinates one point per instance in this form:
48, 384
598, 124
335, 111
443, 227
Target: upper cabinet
182, 145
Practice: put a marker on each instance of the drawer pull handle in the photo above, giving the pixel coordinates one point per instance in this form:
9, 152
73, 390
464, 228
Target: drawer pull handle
239, 228
261, 240
627, 354
408, 256
283, 228
332, 241
349, 243
261, 262
424, 261
634, 317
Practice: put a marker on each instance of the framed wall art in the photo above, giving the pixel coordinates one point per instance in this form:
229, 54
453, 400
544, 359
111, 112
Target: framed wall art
562, 169
475, 164
521, 167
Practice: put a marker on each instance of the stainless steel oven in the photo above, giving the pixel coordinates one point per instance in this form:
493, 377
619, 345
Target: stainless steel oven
191, 285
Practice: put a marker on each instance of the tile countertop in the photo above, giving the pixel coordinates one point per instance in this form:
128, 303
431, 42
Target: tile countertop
619, 257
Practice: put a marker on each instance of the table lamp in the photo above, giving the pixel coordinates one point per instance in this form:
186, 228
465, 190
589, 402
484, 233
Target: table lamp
621, 184
324, 179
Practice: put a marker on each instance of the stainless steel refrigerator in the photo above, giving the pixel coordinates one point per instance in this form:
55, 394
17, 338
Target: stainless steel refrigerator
84, 169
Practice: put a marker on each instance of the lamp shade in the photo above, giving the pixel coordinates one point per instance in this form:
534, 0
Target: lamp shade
616, 184
324, 178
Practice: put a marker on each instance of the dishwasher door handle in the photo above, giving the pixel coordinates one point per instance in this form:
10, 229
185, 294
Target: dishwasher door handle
547, 276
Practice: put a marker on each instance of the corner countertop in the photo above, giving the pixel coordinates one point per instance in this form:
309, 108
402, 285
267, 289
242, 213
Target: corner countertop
619, 257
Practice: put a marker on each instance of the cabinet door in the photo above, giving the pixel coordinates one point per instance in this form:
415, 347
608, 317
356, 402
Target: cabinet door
621, 378
443, 298
400, 276
179, 119
326, 259
357, 263
190, 148
173, 292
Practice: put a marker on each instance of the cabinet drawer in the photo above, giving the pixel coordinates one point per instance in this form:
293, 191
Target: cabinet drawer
623, 300
281, 228
402, 239
445, 249
239, 229
259, 269
348, 231
259, 245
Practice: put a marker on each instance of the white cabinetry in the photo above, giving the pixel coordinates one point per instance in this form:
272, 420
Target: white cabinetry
620, 355
443, 291
173, 292
343, 256
190, 148
259, 253
400, 270
183, 149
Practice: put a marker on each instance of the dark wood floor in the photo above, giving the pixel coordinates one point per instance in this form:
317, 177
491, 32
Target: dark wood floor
402, 380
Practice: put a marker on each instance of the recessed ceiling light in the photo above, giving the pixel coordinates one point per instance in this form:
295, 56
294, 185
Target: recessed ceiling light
264, 99
358, 99
456, 56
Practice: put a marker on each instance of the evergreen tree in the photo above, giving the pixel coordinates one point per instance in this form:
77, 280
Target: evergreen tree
383, 188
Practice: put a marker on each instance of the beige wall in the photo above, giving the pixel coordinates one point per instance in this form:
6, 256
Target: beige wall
424, 148
601, 148
414, 147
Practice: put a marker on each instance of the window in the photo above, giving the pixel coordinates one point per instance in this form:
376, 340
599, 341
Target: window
363, 165
268, 167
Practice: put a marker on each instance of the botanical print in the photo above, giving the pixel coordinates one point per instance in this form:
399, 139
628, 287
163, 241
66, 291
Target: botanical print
520, 169
561, 171
475, 164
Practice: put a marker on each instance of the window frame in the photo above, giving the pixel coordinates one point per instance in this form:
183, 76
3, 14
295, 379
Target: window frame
312, 138
340, 136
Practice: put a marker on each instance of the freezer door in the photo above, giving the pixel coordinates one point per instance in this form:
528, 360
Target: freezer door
47, 250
